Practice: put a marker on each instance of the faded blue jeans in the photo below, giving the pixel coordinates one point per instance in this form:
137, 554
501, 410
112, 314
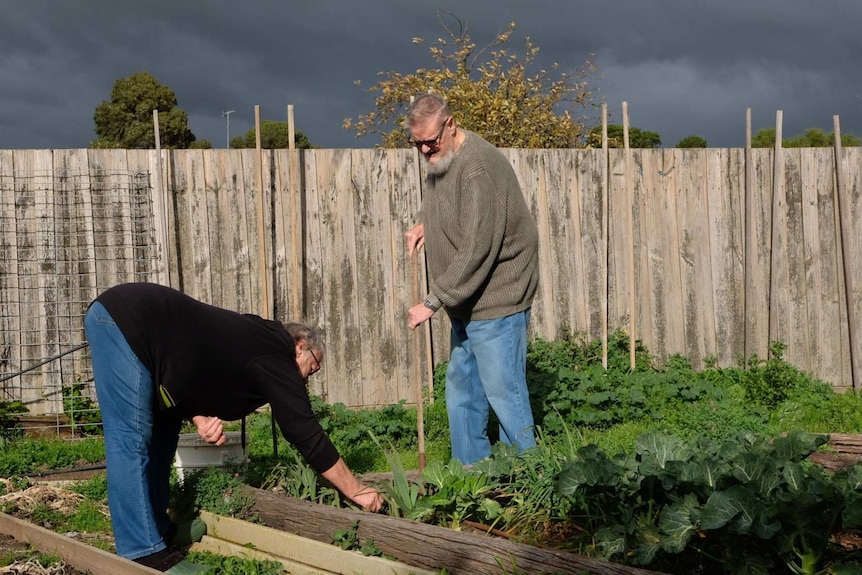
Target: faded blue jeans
488, 369
139, 443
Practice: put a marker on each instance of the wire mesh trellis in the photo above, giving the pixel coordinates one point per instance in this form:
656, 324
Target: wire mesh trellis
64, 238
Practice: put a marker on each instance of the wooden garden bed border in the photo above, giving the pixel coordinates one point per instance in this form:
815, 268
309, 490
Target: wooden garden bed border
77, 554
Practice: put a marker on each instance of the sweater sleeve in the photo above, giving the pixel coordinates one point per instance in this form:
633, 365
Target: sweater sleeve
288, 398
482, 224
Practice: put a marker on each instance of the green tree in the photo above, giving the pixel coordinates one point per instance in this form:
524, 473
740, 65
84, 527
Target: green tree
692, 142
273, 135
201, 145
811, 138
126, 121
637, 138
490, 90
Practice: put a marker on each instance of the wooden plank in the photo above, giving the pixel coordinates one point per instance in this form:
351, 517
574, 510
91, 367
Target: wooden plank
301, 550
725, 180
251, 201
565, 256
370, 298
758, 280
339, 276
587, 188
851, 193
381, 373
695, 257
821, 262
200, 234
27, 212
239, 234
315, 301
10, 291
660, 286
287, 272
80, 555
793, 292
534, 186
402, 204
423, 545
620, 242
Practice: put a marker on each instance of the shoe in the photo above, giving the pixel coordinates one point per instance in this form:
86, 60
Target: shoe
186, 567
188, 533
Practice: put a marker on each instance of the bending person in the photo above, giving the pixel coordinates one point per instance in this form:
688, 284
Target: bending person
159, 357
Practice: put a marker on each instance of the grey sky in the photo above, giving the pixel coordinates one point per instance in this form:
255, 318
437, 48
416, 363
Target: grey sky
684, 67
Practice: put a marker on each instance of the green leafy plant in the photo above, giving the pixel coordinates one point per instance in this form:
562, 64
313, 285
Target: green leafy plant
232, 565
10, 426
753, 503
83, 412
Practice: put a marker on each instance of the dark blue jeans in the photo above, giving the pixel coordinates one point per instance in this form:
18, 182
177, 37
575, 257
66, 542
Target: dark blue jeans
139, 442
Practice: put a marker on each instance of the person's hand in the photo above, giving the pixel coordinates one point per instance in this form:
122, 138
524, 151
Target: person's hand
417, 314
415, 238
210, 429
368, 498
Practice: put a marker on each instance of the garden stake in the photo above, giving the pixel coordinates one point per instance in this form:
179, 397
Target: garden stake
420, 423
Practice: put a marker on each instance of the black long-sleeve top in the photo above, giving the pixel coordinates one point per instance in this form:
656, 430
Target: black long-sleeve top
211, 361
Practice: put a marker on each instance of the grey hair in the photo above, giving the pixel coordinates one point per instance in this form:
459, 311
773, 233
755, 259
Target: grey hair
304, 332
425, 107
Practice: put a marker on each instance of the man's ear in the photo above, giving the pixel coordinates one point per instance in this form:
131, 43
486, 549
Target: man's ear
300, 347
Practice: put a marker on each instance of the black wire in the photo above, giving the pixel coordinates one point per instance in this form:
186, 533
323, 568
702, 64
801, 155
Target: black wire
41, 363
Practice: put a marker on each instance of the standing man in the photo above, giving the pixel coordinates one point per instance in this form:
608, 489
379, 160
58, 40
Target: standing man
159, 357
481, 244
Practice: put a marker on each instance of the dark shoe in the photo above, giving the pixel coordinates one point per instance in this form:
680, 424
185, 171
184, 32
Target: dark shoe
161, 560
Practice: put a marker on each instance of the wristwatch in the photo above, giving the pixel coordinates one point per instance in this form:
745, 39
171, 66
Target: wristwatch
430, 305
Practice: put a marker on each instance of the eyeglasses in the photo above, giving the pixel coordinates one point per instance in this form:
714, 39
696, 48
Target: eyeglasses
314, 370
433, 144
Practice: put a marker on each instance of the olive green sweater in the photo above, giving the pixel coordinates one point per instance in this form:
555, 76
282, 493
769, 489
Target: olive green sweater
480, 239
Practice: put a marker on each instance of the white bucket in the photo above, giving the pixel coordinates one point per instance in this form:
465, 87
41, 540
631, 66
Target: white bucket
193, 453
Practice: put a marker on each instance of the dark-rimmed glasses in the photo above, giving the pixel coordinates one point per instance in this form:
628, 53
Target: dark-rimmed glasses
317, 361
433, 144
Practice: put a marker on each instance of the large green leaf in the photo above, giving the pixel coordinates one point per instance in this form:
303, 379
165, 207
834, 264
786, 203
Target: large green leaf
798, 444
645, 544
749, 467
611, 540
722, 507
678, 522
662, 448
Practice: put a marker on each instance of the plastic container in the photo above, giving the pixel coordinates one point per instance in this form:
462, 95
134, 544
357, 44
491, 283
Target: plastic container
193, 453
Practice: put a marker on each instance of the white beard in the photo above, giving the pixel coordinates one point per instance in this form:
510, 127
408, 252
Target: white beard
441, 166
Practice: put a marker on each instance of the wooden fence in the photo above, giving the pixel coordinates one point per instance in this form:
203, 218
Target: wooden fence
333, 243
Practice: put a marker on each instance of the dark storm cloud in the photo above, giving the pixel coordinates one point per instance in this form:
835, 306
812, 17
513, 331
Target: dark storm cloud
684, 67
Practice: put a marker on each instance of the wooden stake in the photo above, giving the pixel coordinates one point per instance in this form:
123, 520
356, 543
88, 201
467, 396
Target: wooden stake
161, 219
295, 221
605, 238
631, 227
420, 418
844, 212
261, 228
777, 202
750, 244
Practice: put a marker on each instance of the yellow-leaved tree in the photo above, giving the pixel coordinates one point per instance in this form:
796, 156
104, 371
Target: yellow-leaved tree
491, 91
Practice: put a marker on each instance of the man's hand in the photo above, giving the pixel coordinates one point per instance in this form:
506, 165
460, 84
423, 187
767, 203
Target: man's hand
415, 238
417, 314
368, 498
210, 429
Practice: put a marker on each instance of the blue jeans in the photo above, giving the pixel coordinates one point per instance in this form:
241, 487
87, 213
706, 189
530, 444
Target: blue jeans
488, 369
139, 442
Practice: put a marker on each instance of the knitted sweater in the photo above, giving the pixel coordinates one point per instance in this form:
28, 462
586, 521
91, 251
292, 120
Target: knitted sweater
481, 242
